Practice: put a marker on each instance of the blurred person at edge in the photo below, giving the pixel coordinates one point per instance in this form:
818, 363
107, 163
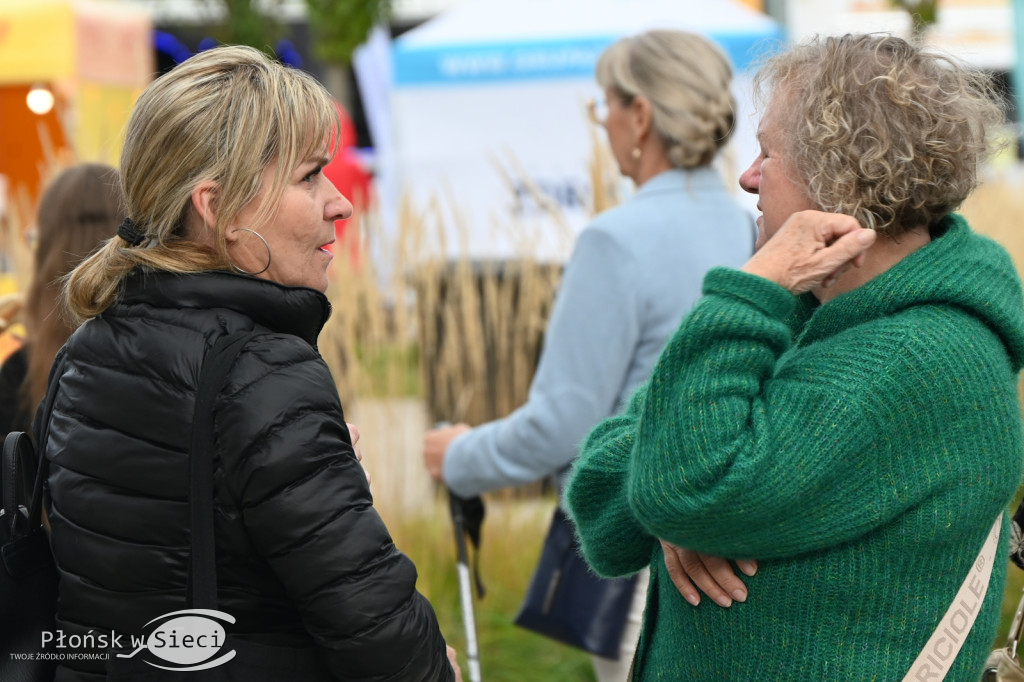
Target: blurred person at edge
634, 273
842, 408
79, 210
229, 219
347, 172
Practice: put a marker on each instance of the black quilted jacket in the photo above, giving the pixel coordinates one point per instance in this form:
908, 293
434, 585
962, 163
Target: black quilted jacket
302, 556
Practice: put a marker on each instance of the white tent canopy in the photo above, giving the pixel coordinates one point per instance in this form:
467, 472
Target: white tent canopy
492, 26
489, 97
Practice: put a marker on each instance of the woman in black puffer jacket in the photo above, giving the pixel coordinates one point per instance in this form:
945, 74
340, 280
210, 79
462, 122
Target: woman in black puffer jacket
230, 220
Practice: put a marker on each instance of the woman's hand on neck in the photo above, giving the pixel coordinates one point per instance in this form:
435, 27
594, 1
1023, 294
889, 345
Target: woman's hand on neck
879, 257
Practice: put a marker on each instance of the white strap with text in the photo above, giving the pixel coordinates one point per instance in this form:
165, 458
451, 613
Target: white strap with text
942, 647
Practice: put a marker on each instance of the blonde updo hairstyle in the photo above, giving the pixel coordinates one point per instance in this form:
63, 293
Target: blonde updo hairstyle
687, 79
879, 129
223, 115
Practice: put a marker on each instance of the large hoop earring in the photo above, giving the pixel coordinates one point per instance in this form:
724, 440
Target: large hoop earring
265, 244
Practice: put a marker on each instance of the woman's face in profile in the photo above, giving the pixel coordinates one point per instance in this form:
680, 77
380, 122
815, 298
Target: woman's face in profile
772, 177
298, 233
621, 136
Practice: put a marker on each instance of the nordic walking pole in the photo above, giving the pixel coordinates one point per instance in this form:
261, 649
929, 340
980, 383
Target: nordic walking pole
465, 591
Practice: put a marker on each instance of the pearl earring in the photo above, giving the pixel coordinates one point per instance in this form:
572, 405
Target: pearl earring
636, 153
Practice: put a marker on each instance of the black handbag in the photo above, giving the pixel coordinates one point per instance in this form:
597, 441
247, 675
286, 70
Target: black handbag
244, 660
28, 581
568, 602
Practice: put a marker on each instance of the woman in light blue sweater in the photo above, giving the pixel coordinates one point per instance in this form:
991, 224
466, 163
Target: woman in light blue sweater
635, 272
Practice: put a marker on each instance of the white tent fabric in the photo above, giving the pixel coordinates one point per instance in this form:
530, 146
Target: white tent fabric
497, 25
489, 99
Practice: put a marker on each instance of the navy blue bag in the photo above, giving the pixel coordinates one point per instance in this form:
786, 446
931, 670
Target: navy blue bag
568, 602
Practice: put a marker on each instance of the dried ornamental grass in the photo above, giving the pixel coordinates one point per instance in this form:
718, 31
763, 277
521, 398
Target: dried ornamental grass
464, 334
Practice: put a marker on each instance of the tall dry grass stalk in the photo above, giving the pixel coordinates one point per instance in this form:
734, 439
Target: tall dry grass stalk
17, 261
442, 338
604, 173
16, 222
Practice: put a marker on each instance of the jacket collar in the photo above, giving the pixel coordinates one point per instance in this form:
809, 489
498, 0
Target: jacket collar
294, 310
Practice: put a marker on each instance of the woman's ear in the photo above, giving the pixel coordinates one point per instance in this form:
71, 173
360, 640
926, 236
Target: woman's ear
204, 201
641, 116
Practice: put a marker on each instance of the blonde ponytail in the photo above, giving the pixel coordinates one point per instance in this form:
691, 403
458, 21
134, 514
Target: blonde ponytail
93, 286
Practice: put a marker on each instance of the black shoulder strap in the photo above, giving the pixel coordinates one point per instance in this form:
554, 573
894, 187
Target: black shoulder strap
35, 510
202, 587
19, 451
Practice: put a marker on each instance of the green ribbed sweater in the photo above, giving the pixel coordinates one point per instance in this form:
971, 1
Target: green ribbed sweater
860, 450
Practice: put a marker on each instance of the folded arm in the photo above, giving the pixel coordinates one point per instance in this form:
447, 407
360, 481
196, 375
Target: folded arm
742, 454
596, 498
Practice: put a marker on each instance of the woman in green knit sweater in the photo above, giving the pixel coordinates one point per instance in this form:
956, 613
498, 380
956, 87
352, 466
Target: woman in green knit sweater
844, 407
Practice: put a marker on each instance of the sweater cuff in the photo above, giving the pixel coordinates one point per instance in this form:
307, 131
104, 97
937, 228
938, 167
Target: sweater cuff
771, 298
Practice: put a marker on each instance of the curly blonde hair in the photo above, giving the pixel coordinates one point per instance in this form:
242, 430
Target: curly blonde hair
882, 130
687, 79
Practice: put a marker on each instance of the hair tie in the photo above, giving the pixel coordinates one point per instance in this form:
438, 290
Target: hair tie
130, 233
